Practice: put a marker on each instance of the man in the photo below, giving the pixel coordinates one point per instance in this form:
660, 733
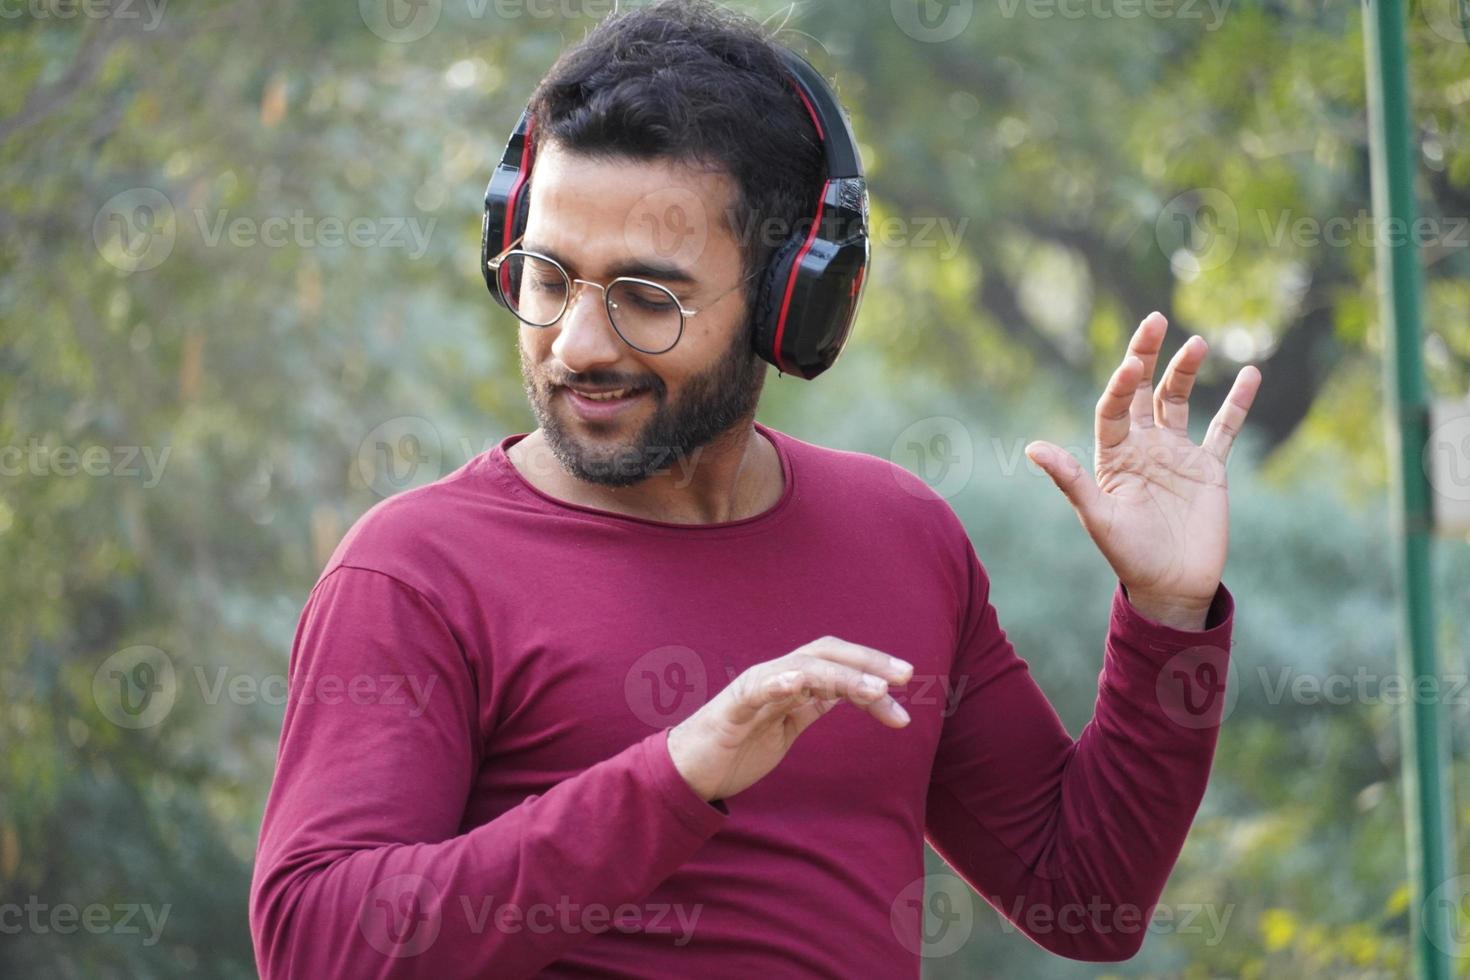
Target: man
676, 694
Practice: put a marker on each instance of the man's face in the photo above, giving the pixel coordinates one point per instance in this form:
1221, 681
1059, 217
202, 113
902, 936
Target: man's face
659, 221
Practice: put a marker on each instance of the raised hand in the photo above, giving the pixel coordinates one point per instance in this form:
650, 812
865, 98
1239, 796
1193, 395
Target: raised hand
1157, 505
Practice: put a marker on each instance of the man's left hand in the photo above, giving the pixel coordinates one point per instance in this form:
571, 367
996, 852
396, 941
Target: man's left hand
1158, 507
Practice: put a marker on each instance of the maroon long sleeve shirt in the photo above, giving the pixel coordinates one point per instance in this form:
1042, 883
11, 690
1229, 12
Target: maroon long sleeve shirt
473, 775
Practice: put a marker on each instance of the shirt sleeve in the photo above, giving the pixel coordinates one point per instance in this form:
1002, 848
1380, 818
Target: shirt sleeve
362, 870
1073, 841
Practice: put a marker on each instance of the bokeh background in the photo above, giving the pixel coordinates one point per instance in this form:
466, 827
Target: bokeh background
240, 304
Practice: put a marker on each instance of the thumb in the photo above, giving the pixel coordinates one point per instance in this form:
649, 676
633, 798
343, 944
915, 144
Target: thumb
1070, 476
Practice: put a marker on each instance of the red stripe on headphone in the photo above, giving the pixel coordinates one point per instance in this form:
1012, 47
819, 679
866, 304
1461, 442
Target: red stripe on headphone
791, 281
816, 120
513, 198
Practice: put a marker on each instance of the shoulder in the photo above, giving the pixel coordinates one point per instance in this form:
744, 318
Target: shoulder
417, 535
870, 488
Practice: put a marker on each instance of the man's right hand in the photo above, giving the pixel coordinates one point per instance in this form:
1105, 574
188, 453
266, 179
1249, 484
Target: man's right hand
743, 732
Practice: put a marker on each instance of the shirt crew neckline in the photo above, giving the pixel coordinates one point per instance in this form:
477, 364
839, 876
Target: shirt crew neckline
501, 464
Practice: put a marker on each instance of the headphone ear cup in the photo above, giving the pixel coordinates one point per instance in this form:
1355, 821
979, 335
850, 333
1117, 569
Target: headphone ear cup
772, 294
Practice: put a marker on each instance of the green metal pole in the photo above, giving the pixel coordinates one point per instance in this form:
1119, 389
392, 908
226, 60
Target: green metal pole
1425, 756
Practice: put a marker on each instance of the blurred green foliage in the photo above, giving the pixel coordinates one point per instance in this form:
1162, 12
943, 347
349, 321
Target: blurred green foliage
1086, 170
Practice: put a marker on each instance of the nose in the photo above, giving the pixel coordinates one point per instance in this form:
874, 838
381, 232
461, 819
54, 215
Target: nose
585, 338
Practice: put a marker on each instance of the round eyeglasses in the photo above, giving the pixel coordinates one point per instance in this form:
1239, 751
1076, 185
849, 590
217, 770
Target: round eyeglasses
647, 316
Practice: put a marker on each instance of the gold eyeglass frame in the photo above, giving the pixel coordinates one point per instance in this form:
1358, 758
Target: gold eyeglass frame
573, 282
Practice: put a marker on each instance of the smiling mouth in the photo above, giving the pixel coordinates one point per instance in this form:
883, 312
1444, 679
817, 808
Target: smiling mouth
604, 396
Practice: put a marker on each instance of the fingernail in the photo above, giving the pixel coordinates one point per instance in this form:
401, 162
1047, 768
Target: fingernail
901, 667
902, 714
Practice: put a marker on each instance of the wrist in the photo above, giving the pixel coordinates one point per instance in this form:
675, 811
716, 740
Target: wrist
682, 765
1180, 613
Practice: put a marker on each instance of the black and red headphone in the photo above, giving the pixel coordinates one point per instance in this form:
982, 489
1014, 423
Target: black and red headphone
808, 294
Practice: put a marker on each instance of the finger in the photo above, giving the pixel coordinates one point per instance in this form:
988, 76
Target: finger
828, 681
1171, 401
777, 686
1147, 341
1231, 418
1070, 476
1113, 408
886, 711
892, 669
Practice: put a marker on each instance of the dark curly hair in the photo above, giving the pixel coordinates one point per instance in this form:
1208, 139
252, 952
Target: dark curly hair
694, 82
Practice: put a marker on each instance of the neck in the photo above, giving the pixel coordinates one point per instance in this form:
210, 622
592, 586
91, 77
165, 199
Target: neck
734, 477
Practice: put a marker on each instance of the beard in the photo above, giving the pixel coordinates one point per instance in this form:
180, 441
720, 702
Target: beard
709, 405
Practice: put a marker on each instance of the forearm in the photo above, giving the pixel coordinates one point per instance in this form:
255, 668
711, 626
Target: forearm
504, 899
1074, 841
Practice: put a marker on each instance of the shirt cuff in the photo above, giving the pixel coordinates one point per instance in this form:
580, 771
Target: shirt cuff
700, 817
1164, 670
1218, 621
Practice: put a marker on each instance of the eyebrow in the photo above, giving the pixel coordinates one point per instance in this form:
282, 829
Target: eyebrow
629, 267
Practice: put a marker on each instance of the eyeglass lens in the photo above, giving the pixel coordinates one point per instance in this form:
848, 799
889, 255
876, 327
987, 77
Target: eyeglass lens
645, 315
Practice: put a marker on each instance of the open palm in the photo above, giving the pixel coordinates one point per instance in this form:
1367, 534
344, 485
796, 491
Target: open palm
1157, 505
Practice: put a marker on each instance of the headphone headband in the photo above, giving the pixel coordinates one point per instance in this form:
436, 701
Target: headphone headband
809, 292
